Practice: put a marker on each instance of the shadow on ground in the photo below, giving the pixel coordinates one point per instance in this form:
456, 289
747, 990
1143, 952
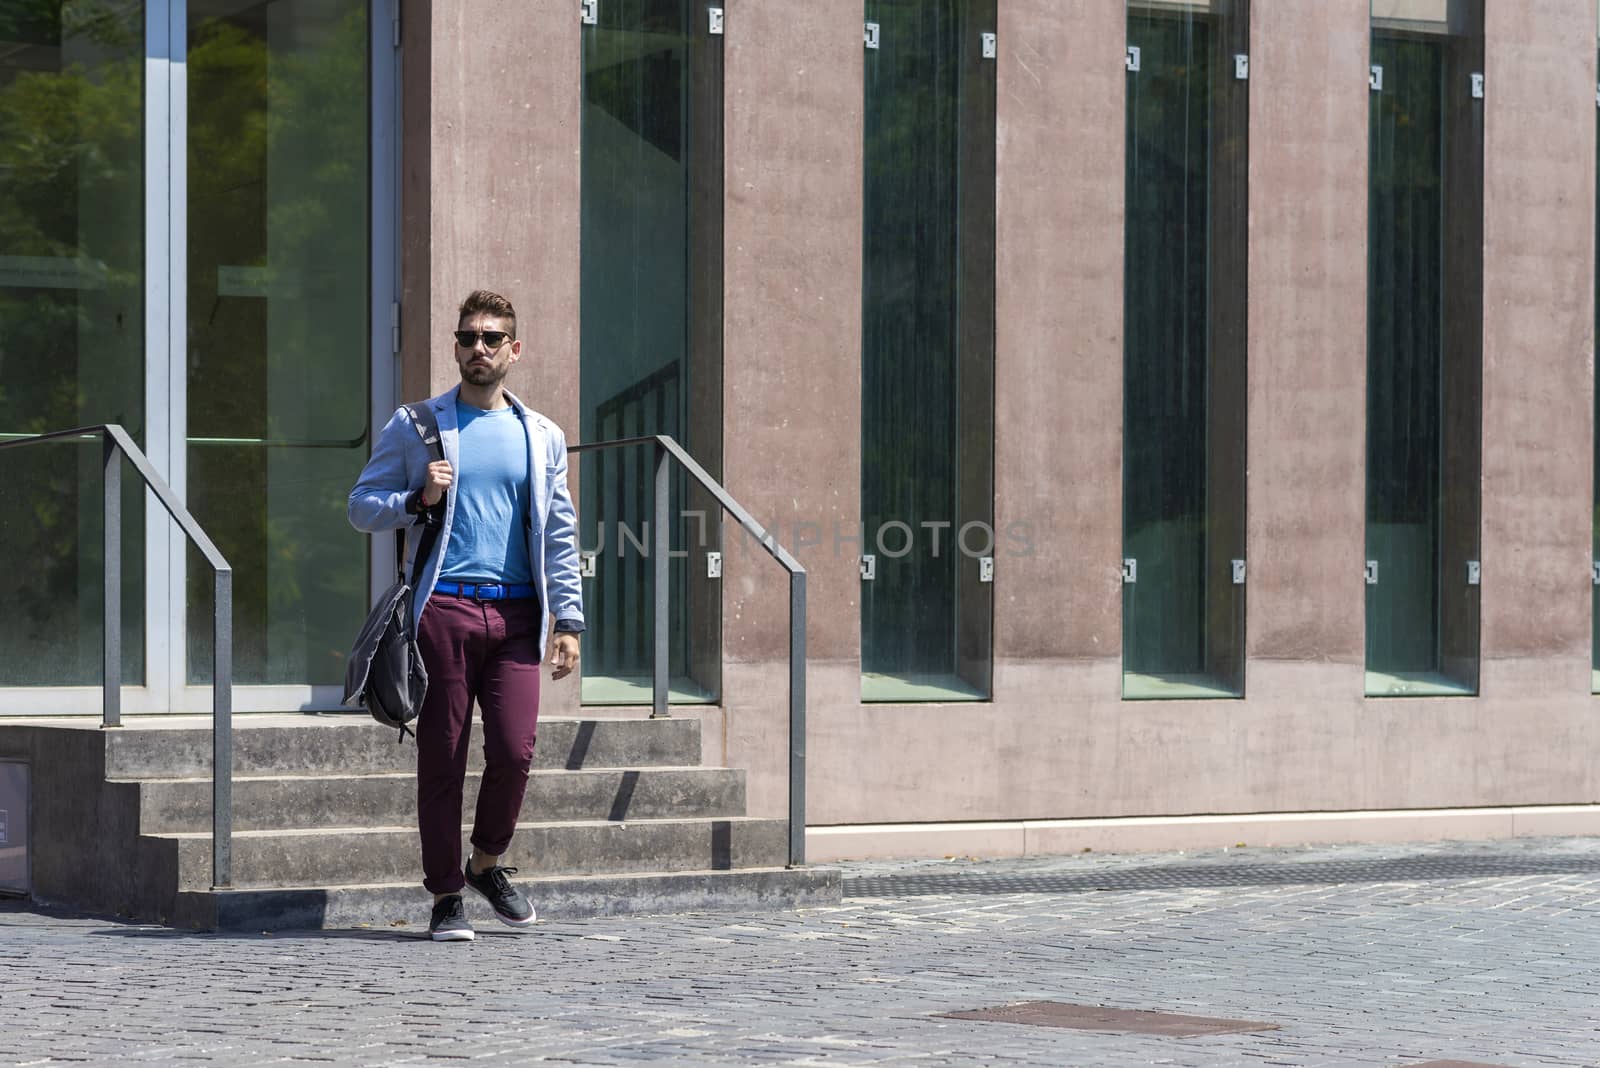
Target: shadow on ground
119, 927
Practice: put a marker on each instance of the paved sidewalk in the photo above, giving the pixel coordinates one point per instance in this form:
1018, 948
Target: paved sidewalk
1476, 952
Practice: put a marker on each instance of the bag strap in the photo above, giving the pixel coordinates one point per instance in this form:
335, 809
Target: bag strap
427, 428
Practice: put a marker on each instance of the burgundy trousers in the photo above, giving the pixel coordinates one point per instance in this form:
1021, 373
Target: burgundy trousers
485, 652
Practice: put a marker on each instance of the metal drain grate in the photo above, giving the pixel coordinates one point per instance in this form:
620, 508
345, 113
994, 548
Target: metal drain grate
1200, 875
1100, 1018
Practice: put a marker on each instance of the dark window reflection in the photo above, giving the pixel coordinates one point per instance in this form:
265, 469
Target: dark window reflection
1184, 351
277, 335
928, 350
1424, 351
71, 327
651, 326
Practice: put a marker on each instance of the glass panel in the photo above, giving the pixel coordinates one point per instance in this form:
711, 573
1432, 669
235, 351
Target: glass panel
71, 327
1424, 347
651, 330
1184, 352
927, 359
1594, 674
278, 349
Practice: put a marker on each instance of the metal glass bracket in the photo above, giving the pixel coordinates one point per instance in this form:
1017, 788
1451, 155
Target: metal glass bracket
713, 565
985, 569
1130, 570
1372, 572
715, 21
869, 35
991, 46
589, 10
1132, 61
869, 568
1375, 78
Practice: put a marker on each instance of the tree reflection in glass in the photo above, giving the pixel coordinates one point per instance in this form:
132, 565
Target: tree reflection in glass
278, 312
71, 324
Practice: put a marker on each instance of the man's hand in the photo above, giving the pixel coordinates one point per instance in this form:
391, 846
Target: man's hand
439, 478
563, 654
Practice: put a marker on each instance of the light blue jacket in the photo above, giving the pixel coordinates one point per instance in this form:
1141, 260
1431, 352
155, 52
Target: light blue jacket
399, 465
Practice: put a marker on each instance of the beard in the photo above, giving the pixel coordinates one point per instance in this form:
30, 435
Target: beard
480, 374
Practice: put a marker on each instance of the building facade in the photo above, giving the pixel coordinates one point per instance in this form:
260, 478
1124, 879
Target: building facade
1184, 411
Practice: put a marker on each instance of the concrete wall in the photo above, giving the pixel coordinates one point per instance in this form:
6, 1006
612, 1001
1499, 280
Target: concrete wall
1538, 367
1056, 742
490, 196
79, 821
1058, 361
1308, 354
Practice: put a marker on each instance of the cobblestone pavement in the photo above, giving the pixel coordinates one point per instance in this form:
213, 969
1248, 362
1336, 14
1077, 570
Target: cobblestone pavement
1466, 952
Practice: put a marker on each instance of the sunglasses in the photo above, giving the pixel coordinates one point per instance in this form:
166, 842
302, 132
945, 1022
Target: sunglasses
492, 339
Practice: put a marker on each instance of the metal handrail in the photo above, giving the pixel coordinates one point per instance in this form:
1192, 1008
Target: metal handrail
667, 450
114, 441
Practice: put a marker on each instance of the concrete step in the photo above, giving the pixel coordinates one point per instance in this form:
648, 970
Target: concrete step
388, 799
349, 744
363, 855
400, 910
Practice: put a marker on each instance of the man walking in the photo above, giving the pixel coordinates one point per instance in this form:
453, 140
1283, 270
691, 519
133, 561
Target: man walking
506, 561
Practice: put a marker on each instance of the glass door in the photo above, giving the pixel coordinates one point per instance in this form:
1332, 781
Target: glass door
1424, 348
275, 380
187, 190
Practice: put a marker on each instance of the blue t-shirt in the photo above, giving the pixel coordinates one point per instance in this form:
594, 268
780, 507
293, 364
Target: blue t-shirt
488, 538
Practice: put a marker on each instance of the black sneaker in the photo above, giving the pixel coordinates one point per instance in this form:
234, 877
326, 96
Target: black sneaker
510, 905
449, 921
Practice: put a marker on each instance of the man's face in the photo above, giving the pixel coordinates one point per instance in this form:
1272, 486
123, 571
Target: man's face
482, 363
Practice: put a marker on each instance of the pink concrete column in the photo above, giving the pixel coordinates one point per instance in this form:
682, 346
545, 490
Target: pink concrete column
490, 194
417, 327
490, 184
1308, 355
792, 335
1538, 346
1058, 417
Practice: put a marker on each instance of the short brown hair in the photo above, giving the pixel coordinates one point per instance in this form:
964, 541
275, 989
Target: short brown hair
487, 302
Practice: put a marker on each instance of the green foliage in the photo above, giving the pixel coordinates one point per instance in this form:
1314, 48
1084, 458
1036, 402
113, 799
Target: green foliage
72, 190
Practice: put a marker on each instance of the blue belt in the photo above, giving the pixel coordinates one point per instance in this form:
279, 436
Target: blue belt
484, 591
